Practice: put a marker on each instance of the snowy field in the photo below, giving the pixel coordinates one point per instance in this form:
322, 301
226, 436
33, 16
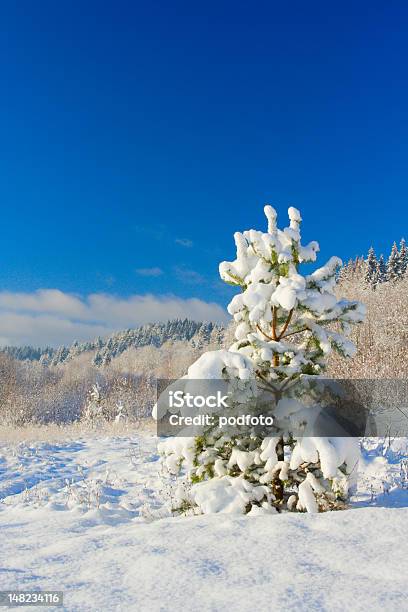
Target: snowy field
88, 516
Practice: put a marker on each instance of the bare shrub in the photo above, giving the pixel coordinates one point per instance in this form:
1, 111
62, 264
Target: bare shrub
33, 392
383, 338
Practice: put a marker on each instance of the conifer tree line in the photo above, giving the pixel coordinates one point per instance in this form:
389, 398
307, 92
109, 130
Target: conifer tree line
376, 270
199, 334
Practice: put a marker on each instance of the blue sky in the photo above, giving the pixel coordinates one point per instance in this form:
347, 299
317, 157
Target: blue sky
135, 138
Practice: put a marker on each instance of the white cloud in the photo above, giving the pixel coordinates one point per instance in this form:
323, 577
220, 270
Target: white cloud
149, 271
187, 275
185, 242
52, 317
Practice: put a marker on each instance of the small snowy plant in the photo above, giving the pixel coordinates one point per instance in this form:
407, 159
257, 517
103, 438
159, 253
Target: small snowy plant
95, 411
120, 412
287, 324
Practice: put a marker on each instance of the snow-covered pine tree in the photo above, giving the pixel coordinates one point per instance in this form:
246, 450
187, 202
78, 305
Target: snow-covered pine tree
394, 264
371, 275
382, 270
287, 325
403, 256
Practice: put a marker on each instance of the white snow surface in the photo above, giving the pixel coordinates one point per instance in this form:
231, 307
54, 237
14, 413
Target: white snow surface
74, 516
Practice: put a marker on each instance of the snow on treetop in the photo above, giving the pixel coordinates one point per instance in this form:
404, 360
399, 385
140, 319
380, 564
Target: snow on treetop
266, 269
257, 249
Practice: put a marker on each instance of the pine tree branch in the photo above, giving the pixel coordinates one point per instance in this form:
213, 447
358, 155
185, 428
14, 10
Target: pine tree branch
298, 331
267, 383
274, 320
264, 333
285, 327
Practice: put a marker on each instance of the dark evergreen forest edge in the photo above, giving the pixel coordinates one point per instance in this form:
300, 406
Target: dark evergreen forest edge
152, 334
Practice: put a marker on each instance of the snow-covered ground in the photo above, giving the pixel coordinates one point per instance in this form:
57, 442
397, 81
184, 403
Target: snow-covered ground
85, 516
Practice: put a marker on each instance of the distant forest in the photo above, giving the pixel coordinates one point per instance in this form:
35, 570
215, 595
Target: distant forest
155, 334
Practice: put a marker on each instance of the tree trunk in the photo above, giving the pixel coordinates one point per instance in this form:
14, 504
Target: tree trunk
277, 484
